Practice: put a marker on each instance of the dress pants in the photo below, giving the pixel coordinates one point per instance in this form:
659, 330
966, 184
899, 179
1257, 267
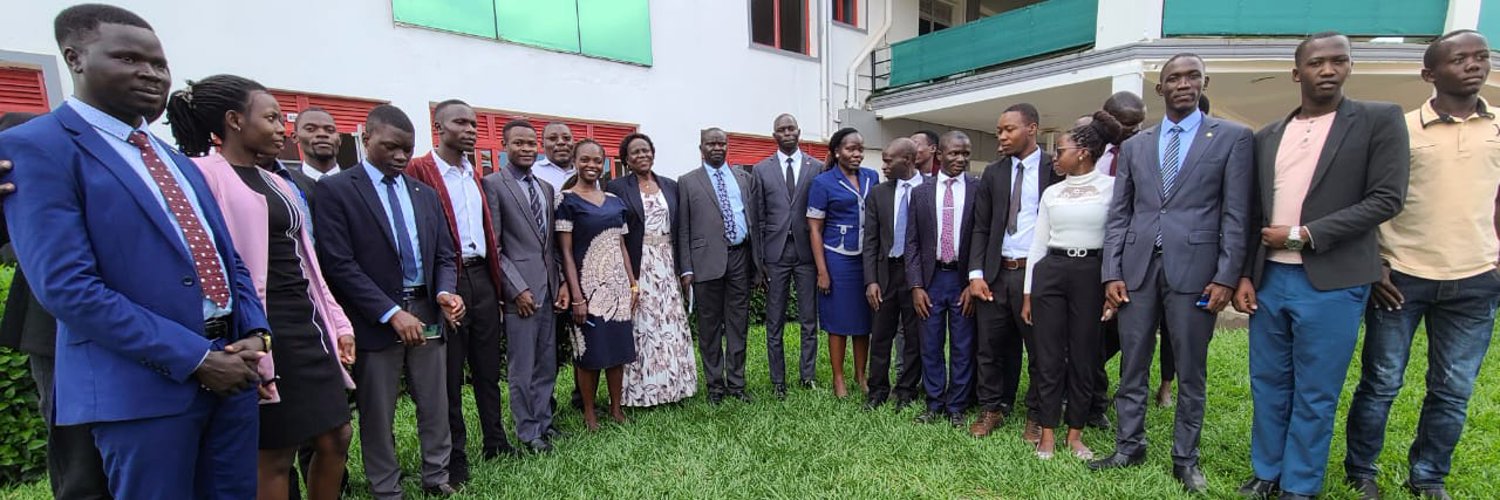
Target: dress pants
784, 274
378, 374
206, 452
723, 308
1001, 335
1191, 329
896, 319
1066, 302
1301, 341
74, 468
1111, 343
475, 343
947, 380
531, 349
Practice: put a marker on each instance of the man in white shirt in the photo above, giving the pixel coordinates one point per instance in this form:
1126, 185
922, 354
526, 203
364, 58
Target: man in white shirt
556, 166
319, 138
886, 211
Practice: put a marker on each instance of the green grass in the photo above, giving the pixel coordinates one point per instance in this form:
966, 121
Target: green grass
812, 445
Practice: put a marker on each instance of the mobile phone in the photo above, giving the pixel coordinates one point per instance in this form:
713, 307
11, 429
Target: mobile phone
433, 331
1202, 301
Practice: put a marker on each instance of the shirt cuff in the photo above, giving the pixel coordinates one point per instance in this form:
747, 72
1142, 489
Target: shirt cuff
684, 275
201, 360
1310, 243
386, 318
977, 274
440, 294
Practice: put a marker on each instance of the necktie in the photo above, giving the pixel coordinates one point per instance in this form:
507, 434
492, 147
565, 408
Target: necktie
205, 254
536, 203
898, 247
1017, 181
731, 231
403, 240
1170, 165
1114, 160
945, 241
791, 177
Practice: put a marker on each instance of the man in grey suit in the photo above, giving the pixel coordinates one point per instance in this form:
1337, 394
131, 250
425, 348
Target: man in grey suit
784, 178
716, 245
1173, 249
522, 207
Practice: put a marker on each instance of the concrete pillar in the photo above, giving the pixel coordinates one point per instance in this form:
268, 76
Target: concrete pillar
1464, 14
1123, 23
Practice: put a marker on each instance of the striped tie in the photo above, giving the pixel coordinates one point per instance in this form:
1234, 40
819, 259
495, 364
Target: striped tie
1171, 164
536, 204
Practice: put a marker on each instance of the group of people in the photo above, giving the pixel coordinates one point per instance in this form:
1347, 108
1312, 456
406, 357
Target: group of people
184, 266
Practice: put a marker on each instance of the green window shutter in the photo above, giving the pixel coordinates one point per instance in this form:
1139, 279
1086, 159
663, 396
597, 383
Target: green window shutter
616, 29
470, 17
551, 24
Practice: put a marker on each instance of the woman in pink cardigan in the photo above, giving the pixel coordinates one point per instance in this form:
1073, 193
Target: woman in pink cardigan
268, 221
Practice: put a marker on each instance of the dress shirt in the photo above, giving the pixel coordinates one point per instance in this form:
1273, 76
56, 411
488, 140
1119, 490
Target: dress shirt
1106, 163
550, 172
410, 231
318, 175
1189, 126
115, 133
736, 201
956, 214
468, 208
796, 158
907, 187
1016, 246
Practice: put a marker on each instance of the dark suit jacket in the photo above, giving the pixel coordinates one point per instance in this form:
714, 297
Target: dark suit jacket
1360, 182
701, 248
424, 169
359, 255
1202, 222
27, 326
628, 189
783, 212
992, 212
923, 227
879, 234
304, 184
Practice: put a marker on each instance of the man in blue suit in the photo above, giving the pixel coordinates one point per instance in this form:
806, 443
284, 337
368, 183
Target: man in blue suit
159, 324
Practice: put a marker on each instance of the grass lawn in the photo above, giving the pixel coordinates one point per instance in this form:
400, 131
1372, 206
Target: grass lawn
813, 445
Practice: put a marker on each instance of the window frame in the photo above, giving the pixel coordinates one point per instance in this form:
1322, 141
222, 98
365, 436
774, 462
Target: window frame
807, 39
853, 17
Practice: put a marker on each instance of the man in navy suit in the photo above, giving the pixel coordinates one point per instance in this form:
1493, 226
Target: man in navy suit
159, 324
387, 254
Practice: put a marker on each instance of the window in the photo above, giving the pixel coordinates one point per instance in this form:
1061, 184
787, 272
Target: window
618, 30
934, 15
780, 23
846, 11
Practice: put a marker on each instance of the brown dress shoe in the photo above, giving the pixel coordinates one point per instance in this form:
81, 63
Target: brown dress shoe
986, 423
1031, 433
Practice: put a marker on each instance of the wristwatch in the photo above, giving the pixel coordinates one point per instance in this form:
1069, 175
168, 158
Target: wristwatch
1294, 239
265, 337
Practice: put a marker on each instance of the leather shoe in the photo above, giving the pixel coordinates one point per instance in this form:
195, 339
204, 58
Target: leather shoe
1117, 460
808, 384
494, 453
553, 433
928, 417
873, 403
715, 398
441, 490
1293, 496
1258, 489
1100, 421
957, 419
1426, 492
539, 446
1031, 432
780, 391
1191, 478
986, 423
742, 396
902, 402
1366, 488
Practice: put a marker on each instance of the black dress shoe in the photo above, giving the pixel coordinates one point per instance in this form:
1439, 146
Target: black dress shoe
1258, 489
1366, 488
1426, 492
553, 433
928, 417
503, 451
1293, 496
1117, 460
873, 403
1100, 421
1191, 478
808, 384
539, 446
742, 396
902, 402
441, 490
715, 398
780, 391
956, 419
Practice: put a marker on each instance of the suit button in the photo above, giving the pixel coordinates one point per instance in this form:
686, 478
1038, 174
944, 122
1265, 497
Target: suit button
187, 282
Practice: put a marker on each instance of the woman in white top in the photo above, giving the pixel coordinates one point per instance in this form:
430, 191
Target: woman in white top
1063, 295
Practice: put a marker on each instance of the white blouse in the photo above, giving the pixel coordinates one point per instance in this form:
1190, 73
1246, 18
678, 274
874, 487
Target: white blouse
1071, 215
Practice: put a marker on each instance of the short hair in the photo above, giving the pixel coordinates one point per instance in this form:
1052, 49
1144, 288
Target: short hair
903, 146
196, 112
1302, 47
625, 144
80, 21
549, 126
438, 109
1027, 111
1182, 55
952, 135
311, 109
514, 124
932, 137
1430, 56
386, 114
703, 134
1124, 100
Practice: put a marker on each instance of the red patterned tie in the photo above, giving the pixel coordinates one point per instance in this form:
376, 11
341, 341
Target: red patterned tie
945, 238
205, 254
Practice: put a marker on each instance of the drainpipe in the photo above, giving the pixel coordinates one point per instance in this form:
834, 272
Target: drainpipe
872, 41
825, 64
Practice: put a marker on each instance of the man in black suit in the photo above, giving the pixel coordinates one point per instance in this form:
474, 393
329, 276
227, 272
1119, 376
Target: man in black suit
884, 247
1005, 214
389, 259
784, 179
1328, 175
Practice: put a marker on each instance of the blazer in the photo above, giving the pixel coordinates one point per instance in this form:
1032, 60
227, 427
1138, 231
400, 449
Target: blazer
359, 254
1359, 182
923, 226
628, 189
27, 327
701, 249
103, 257
992, 212
1202, 222
247, 215
783, 211
424, 168
879, 234
529, 257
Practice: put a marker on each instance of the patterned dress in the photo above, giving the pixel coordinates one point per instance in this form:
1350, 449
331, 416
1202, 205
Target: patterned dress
665, 370
605, 339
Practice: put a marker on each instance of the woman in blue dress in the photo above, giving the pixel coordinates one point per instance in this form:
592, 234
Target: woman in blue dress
591, 233
835, 215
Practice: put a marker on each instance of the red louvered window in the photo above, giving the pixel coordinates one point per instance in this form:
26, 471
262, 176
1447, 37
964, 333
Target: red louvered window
22, 90
747, 149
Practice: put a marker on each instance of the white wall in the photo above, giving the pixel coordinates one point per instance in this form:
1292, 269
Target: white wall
705, 73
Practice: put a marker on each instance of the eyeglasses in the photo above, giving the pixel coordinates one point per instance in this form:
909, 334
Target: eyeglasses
1058, 151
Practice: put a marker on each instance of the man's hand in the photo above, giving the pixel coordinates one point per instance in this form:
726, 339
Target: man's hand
687, 282
921, 302
408, 328
453, 307
563, 299
580, 313
979, 290
1026, 309
825, 284
1244, 297
872, 295
225, 374
965, 305
526, 304
249, 350
1275, 237
1114, 294
6, 188
346, 349
1109, 313
1218, 296
1387, 297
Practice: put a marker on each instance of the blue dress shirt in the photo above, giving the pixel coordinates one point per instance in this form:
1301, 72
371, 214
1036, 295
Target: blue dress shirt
1189, 126
736, 201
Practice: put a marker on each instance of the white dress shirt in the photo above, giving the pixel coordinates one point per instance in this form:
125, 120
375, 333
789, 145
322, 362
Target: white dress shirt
318, 175
796, 158
956, 214
468, 207
1017, 246
547, 171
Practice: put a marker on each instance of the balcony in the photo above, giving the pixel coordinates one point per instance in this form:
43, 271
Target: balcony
1045, 28
1271, 18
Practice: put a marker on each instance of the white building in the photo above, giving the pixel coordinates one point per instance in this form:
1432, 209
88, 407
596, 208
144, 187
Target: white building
672, 67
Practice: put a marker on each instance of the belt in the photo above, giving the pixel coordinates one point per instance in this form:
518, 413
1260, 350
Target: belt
1077, 253
740, 246
411, 293
1012, 264
216, 328
475, 261
896, 260
948, 266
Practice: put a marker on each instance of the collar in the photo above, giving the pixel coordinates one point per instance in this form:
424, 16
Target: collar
378, 176
712, 170
518, 174
544, 162
913, 182
796, 157
943, 177
1033, 160
104, 122
1429, 116
309, 170
465, 168
1188, 123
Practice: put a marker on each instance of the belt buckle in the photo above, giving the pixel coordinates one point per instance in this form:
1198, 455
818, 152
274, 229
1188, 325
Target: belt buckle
1077, 253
